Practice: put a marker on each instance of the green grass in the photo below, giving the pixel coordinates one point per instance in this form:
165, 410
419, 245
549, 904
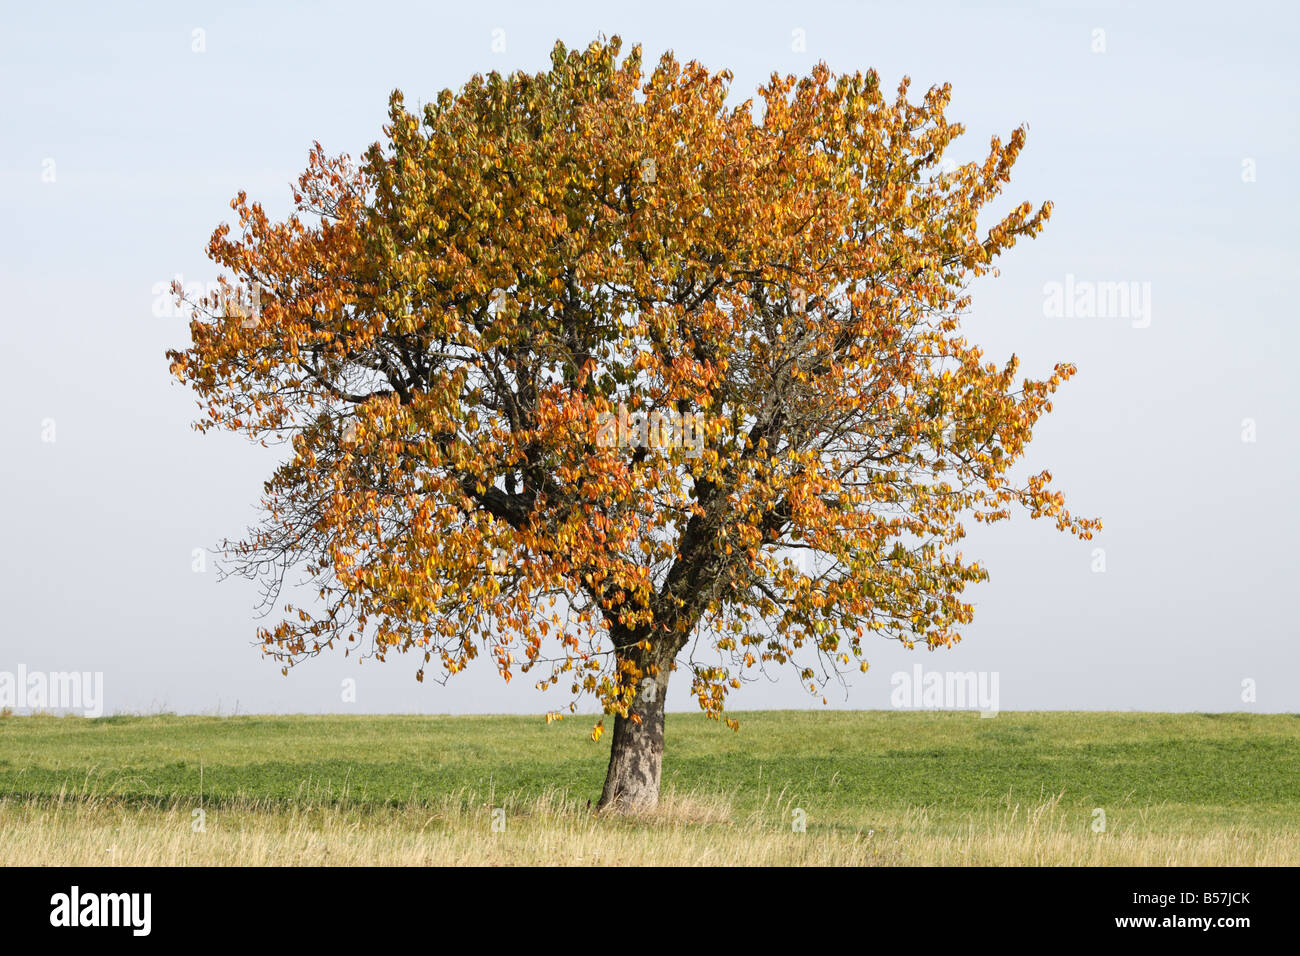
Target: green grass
844, 768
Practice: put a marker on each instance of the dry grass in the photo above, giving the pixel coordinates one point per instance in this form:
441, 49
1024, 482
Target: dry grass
554, 830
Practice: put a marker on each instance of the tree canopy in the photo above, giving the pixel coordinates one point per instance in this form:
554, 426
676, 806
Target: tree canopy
446, 328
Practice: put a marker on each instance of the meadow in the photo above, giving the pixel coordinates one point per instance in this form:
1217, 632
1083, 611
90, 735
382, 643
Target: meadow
790, 787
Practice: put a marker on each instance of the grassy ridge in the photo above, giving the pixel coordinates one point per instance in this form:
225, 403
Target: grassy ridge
1207, 769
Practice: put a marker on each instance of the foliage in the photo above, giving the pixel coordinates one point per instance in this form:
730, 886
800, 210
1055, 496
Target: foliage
444, 327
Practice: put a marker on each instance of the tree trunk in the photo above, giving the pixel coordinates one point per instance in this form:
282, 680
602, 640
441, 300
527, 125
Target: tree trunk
636, 755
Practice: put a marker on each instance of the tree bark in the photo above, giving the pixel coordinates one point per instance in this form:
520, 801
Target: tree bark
637, 750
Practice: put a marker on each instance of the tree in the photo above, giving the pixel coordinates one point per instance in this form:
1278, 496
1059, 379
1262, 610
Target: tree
593, 374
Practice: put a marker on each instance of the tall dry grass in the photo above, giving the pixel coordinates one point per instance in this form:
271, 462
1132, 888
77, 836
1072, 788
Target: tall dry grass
554, 830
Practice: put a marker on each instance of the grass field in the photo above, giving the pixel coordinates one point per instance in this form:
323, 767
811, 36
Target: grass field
872, 787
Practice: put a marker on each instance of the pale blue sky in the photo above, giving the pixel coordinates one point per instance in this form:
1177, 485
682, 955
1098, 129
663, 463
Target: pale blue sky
1142, 148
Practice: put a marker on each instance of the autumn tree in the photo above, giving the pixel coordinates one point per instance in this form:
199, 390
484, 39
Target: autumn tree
462, 338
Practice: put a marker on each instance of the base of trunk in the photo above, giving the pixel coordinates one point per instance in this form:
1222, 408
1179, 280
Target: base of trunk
636, 755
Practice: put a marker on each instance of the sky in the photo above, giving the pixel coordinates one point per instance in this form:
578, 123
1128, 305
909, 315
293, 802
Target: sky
1166, 137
